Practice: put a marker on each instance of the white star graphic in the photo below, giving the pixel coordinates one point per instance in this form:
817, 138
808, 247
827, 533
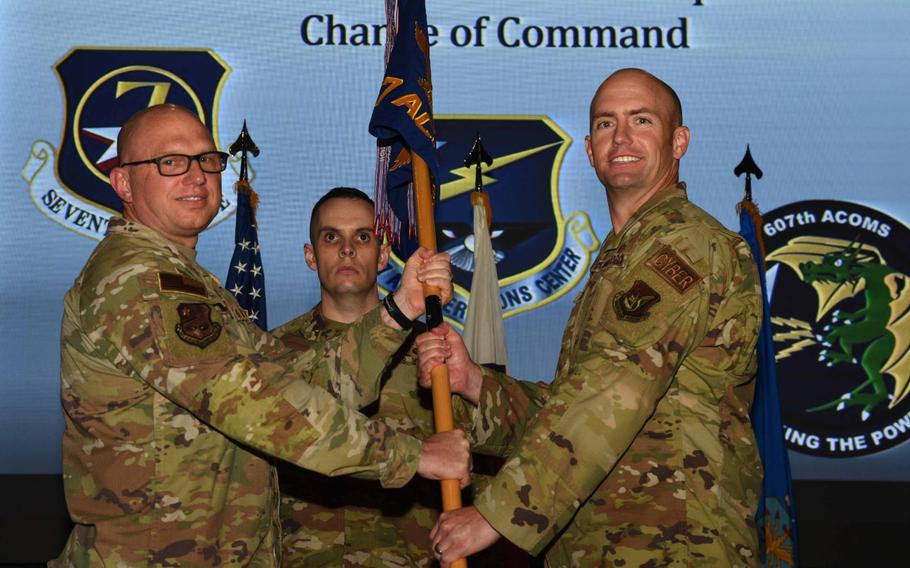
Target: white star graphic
256, 248
254, 315
244, 244
105, 134
237, 289
239, 267
256, 270
254, 292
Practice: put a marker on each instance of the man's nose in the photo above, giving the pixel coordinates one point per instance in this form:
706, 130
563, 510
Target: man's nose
347, 248
620, 134
195, 174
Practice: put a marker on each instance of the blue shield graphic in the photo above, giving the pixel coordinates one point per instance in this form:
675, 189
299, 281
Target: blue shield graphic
103, 87
540, 253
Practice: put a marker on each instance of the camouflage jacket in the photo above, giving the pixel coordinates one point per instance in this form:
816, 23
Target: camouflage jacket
174, 400
641, 452
349, 522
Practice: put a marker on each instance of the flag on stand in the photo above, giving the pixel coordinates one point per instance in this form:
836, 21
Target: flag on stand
484, 332
775, 518
402, 122
246, 279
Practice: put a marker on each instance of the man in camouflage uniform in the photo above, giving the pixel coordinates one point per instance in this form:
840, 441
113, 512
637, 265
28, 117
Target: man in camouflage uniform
640, 452
173, 399
347, 522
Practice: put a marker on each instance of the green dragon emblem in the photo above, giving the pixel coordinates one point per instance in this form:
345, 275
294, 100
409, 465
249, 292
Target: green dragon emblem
876, 337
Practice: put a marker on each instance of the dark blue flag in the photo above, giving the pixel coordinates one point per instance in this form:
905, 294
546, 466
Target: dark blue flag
402, 121
246, 279
775, 519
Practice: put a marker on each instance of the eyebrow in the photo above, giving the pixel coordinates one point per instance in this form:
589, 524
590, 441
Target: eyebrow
336, 230
633, 112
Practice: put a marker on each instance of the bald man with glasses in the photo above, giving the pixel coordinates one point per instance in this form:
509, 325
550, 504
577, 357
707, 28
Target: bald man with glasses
175, 402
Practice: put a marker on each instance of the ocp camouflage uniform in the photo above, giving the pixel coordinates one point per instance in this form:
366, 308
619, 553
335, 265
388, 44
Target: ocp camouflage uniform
173, 400
348, 522
643, 453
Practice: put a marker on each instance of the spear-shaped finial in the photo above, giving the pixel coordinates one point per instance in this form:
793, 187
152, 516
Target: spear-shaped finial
749, 167
244, 144
477, 156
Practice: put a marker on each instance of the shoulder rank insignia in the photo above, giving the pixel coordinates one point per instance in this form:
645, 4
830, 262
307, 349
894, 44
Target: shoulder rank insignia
673, 269
633, 304
196, 326
170, 282
616, 258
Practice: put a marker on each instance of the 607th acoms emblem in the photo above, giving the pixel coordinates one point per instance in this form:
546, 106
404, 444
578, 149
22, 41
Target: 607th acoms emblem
102, 87
840, 306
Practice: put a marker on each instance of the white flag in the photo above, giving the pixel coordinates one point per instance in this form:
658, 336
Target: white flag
484, 333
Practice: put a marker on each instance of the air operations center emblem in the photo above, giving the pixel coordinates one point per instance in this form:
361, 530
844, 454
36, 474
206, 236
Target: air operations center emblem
840, 306
540, 253
102, 88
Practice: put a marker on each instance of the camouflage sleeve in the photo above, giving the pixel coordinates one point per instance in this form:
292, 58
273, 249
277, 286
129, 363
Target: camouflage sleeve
403, 405
625, 349
352, 365
190, 348
503, 412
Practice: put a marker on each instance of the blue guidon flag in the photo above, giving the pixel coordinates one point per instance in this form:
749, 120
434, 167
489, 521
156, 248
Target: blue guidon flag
402, 121
775, 519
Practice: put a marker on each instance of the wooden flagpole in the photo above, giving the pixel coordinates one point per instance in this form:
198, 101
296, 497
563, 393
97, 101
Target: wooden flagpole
442, 393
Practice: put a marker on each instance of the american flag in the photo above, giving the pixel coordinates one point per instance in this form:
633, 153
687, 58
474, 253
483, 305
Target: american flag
246, 279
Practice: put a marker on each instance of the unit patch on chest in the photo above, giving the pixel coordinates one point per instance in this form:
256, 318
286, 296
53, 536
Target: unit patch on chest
633, 304
196, 326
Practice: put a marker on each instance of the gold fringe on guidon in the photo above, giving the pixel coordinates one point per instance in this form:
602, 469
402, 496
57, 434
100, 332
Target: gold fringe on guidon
244, 187
753, 211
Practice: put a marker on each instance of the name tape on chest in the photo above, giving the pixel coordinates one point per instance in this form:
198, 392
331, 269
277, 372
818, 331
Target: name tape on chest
673, 269
170, 282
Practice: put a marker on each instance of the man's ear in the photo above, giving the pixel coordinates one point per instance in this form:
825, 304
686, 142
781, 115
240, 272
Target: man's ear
120, 181
384, 250
589, 150
310, 254
680, 141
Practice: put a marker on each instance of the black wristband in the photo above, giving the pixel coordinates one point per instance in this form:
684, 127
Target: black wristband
395, 313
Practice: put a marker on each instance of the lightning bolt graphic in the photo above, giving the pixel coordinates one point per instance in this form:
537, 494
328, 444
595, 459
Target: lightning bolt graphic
792, 323
465, 182
781, 337
800, 329
794, 348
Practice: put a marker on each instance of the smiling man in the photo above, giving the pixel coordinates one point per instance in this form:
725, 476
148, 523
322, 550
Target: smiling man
640, 453
174, 400
346, 522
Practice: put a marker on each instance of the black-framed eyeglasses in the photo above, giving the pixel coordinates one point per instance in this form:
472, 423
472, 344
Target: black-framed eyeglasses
178, 164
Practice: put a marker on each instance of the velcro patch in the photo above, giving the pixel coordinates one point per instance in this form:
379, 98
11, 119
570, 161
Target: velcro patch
616, 258
633, 304
196, 326
170, 282
673, 269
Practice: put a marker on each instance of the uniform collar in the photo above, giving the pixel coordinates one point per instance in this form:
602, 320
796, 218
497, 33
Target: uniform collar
677, 190
322, 323
135, 229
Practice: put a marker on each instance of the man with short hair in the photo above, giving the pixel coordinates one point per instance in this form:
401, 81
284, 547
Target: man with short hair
346, 522
174, 400
640, 452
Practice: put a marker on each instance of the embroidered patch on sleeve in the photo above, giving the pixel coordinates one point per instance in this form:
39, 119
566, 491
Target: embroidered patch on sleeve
196, 326
633, 304
673, 269
170, 282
